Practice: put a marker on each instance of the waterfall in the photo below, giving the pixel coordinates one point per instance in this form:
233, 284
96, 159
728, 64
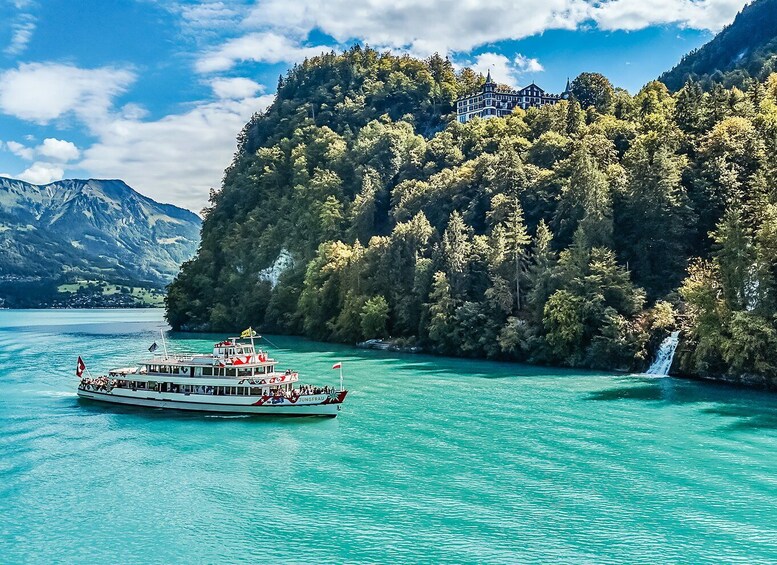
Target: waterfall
665, 354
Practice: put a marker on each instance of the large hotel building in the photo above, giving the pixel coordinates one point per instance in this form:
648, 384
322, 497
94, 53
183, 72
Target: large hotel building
493, 102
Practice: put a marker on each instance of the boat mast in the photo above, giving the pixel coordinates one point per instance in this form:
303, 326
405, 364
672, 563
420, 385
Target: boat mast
164, 343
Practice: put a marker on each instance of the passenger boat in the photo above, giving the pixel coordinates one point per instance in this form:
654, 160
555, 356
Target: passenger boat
235, 378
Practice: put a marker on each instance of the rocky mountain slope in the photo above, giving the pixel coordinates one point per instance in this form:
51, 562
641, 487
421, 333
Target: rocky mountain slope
94, 229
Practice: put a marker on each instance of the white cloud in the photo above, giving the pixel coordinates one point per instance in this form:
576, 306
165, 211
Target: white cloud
42, 173
58, 150
503, 70
133, 111
210, 15
637, 14
424, 26
177, 158
499, 66
264, 47
419, 25
21, 150
52, 149
238, 87
42, 92
527, 65
21, 34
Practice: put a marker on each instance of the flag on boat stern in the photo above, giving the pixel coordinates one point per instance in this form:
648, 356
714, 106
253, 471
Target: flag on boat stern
80, 367
153, 347
338, 365
248, 333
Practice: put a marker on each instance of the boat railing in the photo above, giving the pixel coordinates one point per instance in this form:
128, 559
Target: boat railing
175, 357
267, 378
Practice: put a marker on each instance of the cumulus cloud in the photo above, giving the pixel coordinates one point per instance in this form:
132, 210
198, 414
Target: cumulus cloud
423, 26
52, 149
42, 173
177, 158
235, 88
499, 66
503, 70
527, 65
42, 92
20, 150
260, 47
637, 14
58, 150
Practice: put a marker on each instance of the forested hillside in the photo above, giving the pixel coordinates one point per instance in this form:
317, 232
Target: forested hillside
745, 50
357, 208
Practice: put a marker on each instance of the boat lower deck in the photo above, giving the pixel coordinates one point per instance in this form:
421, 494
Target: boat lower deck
266, 407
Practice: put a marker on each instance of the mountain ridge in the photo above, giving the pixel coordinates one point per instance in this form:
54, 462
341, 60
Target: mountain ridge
744, 50
97, 229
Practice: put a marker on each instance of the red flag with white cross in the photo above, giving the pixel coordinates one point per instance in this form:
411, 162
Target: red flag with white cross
80, 367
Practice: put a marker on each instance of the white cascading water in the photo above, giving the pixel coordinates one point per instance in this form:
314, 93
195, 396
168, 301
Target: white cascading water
665, 354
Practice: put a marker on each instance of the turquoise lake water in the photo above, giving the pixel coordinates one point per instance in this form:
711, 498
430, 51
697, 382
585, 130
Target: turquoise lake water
432, 460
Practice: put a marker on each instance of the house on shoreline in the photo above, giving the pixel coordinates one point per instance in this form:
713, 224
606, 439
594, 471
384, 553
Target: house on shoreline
495, 102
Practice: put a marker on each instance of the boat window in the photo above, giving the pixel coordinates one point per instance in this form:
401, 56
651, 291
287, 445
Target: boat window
232, 372
244, 372
207, 371
256, 391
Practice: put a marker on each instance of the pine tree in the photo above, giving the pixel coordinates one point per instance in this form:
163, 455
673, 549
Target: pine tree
735, 257
517, 239
541, 271
456, 248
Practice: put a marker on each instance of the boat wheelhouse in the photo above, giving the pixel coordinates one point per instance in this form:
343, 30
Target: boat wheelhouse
235, 378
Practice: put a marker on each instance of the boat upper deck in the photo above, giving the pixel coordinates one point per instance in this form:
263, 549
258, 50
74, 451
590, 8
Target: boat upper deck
226, 353
205, 360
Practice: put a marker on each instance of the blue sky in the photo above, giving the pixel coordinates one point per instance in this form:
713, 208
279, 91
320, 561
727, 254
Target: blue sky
154, 92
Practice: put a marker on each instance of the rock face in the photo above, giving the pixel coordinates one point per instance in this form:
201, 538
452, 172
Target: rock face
94, 228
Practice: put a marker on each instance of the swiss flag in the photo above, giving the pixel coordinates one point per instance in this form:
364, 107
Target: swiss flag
337, 365
80, 367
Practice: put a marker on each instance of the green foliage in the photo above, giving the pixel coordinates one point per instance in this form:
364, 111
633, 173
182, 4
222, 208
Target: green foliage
400, 221
743, 51
374, 317
592, 89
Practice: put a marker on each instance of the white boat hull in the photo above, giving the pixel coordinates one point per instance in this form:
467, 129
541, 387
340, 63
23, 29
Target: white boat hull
221, 405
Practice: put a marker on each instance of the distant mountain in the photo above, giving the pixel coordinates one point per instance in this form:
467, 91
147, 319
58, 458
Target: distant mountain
91, 229
745, 49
